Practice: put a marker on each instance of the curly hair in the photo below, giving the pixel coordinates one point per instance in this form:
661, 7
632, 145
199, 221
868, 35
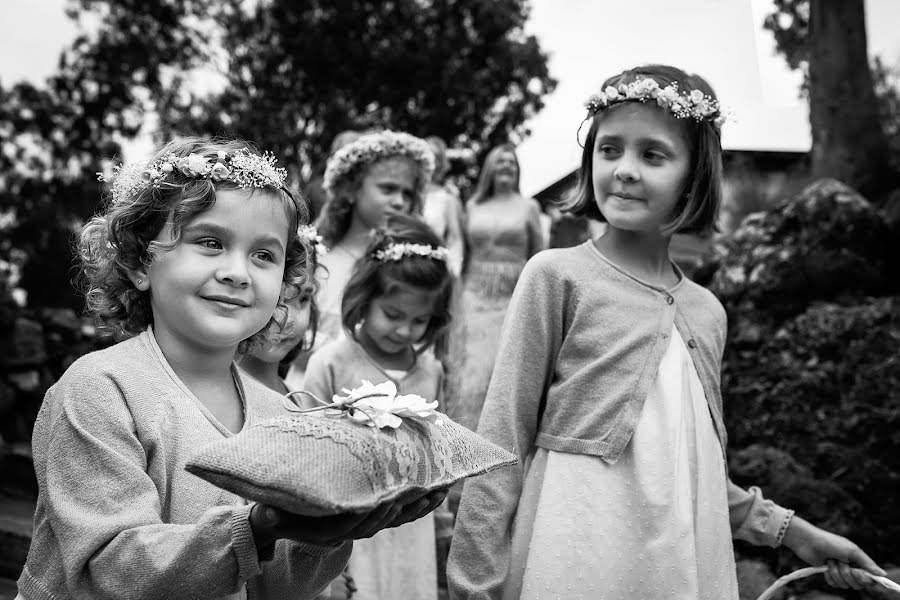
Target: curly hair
120, 240
373, 278
348, 167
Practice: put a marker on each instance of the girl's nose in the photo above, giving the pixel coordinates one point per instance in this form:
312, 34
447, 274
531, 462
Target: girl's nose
397, 202
627, 170
234, 272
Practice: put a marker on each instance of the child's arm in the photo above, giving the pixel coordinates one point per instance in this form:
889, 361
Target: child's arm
764, 523
101, 511
529, 343
817, 547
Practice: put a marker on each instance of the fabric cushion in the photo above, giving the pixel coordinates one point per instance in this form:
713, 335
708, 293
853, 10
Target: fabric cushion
314, 464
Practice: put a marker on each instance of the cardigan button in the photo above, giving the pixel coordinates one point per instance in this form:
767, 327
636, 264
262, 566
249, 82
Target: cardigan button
692, 343
670, 300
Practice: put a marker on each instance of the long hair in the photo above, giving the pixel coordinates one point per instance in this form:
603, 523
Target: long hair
484, 189
697, 211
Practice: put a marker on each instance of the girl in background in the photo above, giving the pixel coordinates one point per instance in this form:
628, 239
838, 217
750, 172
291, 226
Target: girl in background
395, 306
364, 180
188, 261
607, 387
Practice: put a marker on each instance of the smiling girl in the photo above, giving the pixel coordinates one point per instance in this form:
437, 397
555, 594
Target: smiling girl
188, 261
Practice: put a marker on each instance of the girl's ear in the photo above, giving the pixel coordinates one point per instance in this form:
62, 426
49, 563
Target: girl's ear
140, 279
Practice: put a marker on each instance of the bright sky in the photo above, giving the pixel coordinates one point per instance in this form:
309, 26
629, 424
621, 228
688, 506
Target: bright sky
588, 40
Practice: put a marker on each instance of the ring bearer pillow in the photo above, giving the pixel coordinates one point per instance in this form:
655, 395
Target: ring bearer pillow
364, 449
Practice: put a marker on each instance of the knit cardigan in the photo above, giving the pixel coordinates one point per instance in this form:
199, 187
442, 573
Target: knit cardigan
581, 345
118, 516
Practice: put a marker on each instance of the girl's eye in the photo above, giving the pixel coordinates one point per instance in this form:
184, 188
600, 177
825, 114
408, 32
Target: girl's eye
211, 243
265, 255
607, 150
654, 155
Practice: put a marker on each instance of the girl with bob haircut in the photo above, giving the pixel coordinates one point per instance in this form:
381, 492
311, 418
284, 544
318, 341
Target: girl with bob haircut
192, 261
606, 386
395, 307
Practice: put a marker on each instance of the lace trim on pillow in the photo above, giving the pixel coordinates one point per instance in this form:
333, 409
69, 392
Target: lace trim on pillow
417, 453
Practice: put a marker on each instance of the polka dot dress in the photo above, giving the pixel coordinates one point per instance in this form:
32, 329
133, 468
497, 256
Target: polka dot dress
653, 525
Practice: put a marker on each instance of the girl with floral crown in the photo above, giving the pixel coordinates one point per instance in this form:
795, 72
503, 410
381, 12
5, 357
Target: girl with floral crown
606, 386
373, 175
192, 261
396, 304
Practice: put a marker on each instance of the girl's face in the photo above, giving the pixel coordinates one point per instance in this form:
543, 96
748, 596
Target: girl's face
279, 343
388, 184
396, 321
640, 166
221, 282
506, 170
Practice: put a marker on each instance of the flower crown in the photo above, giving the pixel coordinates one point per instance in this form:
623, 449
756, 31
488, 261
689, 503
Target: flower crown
395, 252
244, 168
372, 147
683, 105
309, 235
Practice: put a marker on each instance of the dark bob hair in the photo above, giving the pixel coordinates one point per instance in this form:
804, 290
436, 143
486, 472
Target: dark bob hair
697, 212
373, 278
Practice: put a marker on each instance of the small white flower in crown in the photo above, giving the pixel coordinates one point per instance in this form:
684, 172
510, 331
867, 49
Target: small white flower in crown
694, 105
395, 252
310, 235
246, 169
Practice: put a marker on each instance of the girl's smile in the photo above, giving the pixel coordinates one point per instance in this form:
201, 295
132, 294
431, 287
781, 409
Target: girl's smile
221, 282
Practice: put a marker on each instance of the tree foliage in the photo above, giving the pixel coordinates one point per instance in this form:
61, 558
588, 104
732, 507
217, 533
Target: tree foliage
297, 73
292, 74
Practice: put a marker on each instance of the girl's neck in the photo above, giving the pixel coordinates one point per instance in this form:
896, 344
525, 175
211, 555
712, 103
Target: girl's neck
644, 255
264, 372
504, 192
400, 361
192, 362
357, 237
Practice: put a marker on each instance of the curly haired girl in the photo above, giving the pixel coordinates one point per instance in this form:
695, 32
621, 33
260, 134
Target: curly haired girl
188, 260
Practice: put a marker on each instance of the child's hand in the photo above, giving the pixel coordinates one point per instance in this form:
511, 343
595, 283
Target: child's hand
847, 563
270, 523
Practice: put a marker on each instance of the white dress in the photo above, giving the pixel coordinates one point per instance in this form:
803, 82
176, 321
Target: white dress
653, 525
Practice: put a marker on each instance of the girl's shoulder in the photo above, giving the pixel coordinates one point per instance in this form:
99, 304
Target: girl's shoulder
337, 351
121, 358
561, 263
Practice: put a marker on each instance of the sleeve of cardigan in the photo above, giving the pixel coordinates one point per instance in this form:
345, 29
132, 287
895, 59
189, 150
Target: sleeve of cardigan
755, 519
105, 510
529, 343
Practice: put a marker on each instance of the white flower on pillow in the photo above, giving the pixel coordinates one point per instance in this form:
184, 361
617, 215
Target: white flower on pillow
380, 406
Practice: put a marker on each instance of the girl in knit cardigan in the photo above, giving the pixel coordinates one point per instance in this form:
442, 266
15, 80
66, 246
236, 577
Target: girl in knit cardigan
192, 257
606, 385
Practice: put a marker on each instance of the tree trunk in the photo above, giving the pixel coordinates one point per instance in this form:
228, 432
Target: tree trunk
848, 142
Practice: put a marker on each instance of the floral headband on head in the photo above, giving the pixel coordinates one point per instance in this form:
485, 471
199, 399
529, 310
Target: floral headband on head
682, 105
242, 167
372, 147
396, 252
